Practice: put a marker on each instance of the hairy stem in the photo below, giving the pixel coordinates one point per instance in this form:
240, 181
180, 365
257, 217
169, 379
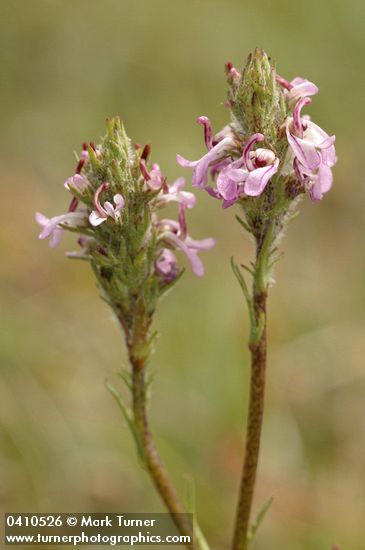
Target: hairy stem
257, 346
152, 461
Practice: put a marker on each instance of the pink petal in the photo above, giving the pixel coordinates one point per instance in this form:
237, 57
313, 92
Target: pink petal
218, 152
55, 238
239, 175
182, 197
317, 135
225, 132
48, 229
202, 244
305, 151
175, 193
41, 219
324, 142
329, 156
77, 182
228, 204
177, 185
297, 80
302, 88
109, 208
258, 179
196, 264
166, 262
118, 201
186, 163
95, 219
325, 177
227, 187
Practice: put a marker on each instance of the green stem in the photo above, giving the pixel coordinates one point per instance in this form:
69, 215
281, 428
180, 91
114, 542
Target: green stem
152, 461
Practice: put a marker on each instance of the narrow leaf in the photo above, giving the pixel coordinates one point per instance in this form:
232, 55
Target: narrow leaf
128, 418
241, 280
189, 499
259, 519
243, 223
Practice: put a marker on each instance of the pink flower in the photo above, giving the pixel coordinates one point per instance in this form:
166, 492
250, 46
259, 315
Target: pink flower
155, 178
174, 234
246, 176
297, 88
78, 182
166, 265
318, 182
219, 148
174, 192
86, 244
52, 226
313, 150
102, 213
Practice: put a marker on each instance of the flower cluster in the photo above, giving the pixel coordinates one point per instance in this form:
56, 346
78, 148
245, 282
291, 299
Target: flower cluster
110, 196
242, 164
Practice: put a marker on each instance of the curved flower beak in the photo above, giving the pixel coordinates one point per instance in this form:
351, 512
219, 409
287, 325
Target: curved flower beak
201, 166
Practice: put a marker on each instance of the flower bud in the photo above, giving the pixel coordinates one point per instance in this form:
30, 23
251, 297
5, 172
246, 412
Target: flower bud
255, 103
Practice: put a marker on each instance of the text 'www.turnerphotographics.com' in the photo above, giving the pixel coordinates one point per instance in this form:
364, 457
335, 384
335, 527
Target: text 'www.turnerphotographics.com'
91, 529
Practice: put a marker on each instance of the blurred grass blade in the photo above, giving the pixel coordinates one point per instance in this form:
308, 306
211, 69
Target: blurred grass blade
259, 519
189, 499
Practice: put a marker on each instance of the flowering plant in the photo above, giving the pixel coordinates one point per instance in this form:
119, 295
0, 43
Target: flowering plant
264, 160
116, 201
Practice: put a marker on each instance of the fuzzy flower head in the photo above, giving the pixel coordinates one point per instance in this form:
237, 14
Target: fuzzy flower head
116, 198
268, 154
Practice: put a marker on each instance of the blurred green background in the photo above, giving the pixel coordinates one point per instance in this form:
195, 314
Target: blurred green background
67, 65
